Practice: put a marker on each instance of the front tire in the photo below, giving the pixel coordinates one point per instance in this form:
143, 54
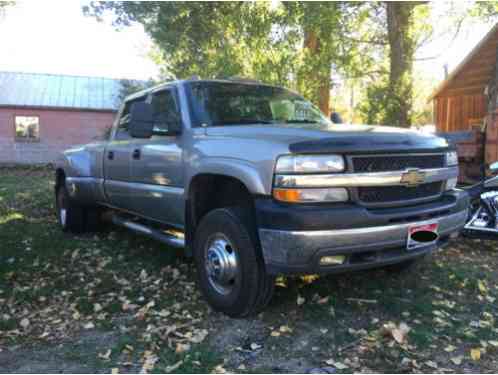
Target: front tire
231, 271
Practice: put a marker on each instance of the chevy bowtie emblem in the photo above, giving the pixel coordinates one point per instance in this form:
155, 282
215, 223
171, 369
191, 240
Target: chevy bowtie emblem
412, 177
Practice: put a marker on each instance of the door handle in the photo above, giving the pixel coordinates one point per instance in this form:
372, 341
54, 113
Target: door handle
136, 154
110, 155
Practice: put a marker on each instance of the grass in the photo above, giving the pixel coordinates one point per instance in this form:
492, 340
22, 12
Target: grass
114, 291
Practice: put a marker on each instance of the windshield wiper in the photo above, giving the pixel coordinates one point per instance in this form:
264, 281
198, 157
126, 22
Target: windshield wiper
301, 122
243, 122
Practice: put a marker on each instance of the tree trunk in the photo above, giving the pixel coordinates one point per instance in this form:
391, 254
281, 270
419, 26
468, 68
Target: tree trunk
320, 78
402, 49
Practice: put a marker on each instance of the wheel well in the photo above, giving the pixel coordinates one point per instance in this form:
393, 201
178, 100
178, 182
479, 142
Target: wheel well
210, 191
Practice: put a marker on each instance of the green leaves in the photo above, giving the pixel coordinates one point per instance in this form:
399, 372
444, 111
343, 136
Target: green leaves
262, 40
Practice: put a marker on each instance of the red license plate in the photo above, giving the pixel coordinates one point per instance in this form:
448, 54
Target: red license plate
422, 235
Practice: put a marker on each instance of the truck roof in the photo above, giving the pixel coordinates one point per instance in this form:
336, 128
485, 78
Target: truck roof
163, 85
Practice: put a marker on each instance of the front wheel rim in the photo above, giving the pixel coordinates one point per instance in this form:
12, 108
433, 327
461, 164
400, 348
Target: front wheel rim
221, 264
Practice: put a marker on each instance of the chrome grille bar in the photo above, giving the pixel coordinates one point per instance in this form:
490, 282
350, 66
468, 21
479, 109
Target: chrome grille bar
392, 178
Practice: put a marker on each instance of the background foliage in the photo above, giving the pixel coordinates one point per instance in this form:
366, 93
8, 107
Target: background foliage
311, 47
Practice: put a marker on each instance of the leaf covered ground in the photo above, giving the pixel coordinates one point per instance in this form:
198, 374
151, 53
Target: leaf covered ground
116, 302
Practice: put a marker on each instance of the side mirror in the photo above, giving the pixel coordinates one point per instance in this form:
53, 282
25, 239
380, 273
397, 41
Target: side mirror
141, 120
493, 167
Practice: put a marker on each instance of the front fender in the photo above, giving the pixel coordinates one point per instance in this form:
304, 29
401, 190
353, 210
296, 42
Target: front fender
256, 182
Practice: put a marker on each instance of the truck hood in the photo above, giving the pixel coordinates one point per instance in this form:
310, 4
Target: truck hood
343, 138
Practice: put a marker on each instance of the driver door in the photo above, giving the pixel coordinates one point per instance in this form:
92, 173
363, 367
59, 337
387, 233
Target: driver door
157, 165
117, 159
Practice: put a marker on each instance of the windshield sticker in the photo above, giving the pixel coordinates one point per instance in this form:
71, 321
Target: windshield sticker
302, 110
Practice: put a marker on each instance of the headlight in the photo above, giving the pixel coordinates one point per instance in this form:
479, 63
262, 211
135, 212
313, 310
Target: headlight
311, 195
451, 158
309, 164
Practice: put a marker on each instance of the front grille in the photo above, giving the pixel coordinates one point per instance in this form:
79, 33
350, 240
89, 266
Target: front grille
388, 194
386, 163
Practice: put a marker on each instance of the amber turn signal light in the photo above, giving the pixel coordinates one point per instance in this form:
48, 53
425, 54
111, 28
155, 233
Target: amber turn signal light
310, 195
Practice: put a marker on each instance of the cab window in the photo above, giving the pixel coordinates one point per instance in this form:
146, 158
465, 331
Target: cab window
166, 110
124, 119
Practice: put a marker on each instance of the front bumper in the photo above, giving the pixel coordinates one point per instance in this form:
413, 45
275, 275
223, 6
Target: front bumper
367, 237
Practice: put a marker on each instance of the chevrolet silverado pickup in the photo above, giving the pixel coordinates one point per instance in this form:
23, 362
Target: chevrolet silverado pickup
253, 181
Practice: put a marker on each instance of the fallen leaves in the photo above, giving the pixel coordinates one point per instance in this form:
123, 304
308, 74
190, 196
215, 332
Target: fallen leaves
475, 354
174, 367
362, 300
149, 361
24, 323
450, 348
181, 348
199, 336
283, 329
482, 285
102, 283
397, 332
323, 300
97, 307
457, 360
219, 369
431, 364
105, 356
338, 365
89, 325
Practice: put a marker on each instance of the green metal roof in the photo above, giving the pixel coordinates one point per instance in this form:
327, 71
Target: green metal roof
59, 91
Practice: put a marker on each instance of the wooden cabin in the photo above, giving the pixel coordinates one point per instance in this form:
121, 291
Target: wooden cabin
466, 101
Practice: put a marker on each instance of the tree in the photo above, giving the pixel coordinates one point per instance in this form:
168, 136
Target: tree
401, 51
330, 45
487, 10
389, 97
4, 5
296, 44
131, 86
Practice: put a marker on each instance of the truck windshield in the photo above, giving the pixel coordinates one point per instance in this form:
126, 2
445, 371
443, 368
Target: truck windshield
224, 104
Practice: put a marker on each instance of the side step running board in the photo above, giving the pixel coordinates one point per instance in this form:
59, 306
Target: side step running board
168, 239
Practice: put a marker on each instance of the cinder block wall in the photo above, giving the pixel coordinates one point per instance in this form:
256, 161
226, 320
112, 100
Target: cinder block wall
59, 129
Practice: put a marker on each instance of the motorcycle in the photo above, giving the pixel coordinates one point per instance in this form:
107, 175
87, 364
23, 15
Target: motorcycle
483, 216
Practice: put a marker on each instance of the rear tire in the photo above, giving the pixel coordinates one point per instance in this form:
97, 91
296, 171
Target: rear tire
75, 218
230, 268
71, 216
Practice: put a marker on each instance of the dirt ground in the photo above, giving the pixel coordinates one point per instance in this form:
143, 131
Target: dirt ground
116, 302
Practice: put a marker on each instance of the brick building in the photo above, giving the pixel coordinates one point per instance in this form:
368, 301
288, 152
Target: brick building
43, 114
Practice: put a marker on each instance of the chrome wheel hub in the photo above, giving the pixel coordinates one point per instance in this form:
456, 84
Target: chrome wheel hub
63, 214
61, 206
221, 263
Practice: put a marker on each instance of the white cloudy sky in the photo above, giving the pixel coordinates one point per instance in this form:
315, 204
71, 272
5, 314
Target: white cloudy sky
54, 37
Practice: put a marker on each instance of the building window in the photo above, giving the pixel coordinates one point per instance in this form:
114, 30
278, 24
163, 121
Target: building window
27, 128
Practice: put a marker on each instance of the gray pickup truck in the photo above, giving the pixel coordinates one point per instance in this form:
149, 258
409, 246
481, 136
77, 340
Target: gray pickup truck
254, 182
